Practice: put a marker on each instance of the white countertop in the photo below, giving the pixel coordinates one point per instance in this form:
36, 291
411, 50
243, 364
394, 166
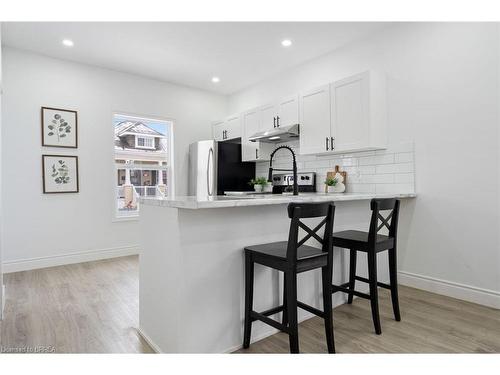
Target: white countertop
193, 202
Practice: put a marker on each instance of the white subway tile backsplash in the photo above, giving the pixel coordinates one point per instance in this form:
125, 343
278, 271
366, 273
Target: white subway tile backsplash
378, 178
369, 169
317, 164
404, 178
395, 168
404, 157
377, 159
383, 171
394, 188
361, 188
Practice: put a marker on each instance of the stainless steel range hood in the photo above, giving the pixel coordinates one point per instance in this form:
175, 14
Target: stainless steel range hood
281, 134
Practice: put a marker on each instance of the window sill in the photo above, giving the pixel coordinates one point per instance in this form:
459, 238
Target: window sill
117, 219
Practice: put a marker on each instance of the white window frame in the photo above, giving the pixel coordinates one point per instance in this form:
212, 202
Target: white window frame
145, 137
170, 160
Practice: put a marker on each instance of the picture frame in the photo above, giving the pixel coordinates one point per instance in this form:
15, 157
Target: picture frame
59, 127
60, 174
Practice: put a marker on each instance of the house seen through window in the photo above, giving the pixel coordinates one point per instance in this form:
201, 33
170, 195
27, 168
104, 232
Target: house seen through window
142, 153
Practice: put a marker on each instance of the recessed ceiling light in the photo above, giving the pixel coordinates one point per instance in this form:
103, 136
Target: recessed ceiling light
68, 42
215, 79
286, 42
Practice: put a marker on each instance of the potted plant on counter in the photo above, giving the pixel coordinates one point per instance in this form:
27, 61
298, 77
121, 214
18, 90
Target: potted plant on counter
330, 184
260, 184
335, 184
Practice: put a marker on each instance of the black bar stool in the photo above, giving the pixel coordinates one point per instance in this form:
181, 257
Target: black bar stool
372, 243
291, 258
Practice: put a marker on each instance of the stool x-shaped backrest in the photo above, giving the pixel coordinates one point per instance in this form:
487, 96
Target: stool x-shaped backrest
297, 211
390, 221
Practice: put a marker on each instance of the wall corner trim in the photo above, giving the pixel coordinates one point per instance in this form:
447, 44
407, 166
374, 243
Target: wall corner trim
150, 342
71, 258
464, 292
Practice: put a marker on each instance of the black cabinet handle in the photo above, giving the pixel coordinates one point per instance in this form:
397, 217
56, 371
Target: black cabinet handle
274, 121
277, 121
256, 154
326, 143
332, 143
223, 134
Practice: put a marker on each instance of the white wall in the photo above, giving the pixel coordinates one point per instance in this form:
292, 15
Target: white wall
443, 95
1, 208
52, 226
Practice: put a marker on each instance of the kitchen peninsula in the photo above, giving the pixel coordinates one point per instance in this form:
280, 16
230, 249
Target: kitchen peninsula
192, 272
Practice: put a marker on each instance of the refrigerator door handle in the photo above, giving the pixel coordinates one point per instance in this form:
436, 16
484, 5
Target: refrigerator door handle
210, 169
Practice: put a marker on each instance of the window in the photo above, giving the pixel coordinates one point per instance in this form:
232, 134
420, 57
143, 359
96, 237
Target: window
143, 159
145, 142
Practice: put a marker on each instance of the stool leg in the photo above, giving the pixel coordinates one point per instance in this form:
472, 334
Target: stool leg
326, 275
249, 271
352, 273
372, 271
284, 319
291, 290
393, 270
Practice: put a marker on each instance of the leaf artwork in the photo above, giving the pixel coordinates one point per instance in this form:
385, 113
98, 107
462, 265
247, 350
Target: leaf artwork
60, 173
59, 127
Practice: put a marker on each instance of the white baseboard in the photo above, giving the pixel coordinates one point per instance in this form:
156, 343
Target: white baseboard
464, 292
71, 258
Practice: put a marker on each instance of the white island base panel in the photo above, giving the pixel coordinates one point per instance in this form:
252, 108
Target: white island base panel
192, 272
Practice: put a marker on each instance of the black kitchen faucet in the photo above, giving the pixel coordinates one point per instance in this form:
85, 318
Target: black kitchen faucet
294, 168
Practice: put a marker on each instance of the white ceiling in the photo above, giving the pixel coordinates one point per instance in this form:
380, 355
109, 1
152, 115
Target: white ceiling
241, 54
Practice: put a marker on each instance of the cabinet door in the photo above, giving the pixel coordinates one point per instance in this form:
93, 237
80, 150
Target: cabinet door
288, 111
268, 115
250, 122
315, 120
233, 127
218, 130
350, 112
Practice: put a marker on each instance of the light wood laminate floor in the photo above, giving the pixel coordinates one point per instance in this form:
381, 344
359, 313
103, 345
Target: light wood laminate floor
431, 323
81, 308
93, 307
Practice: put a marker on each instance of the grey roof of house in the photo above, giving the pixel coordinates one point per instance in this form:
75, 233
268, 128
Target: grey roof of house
136, 128
140, 129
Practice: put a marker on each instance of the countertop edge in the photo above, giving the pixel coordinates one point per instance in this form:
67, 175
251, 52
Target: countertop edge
191, 204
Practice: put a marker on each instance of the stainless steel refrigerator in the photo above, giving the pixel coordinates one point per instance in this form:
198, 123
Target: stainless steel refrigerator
216, 167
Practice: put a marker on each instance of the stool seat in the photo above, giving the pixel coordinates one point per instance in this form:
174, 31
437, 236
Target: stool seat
357, 239
278, 250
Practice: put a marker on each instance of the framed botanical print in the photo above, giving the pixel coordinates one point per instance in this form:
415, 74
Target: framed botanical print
59, 127
60, 174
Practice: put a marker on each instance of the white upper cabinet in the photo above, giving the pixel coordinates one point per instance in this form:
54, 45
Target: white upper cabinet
347, 115
288, 111
359, 112
218, 130
233, 127
315, 128
268, 114
250, 124
230, 128
357, 121
350, 122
